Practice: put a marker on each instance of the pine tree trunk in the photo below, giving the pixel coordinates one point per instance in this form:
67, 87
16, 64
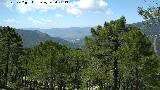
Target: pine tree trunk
115, 75
6, 74
51, 83
117, 44
6, 71
101, 85
137, 80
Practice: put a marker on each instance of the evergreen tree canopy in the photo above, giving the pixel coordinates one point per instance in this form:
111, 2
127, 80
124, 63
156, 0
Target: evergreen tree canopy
11, 52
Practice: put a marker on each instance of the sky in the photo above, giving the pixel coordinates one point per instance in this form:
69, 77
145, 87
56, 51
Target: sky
76, 13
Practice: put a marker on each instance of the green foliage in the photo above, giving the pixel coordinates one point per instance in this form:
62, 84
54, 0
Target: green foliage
78, 62
57, 63
152, 12
116, 57
136, 54
103, 45
120, 57
46, 61
32, 38
11, 53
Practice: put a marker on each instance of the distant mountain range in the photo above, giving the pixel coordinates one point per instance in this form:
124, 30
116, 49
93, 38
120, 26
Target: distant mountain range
33, 37
74, 36
153, 31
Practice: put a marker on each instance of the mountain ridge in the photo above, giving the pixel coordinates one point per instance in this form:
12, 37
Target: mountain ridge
74, 36
33, 37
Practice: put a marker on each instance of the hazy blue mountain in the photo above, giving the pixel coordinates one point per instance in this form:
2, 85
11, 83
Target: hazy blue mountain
33, 37
153, 31
74, 36
150, 30
69, 34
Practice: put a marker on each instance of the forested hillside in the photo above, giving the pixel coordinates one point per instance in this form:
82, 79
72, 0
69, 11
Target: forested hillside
73, 34
74, 37
76, 34
153, 31
116, 57
32, 38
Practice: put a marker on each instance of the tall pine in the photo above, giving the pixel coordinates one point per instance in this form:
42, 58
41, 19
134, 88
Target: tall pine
11, 50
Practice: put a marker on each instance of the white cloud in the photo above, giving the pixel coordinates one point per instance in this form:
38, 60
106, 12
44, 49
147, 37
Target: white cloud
7, 3
34, 21
36, 5
43, 23
59, 15
88, 5
29, 23
76, 7
92, 5
74, 10
9, 22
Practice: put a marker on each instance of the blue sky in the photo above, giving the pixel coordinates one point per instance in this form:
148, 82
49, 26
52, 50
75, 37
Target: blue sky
78, 13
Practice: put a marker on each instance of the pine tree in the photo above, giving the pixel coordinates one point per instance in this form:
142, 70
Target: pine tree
47, 63
151, 13
104, 43
11, 50
78, 60
137, 55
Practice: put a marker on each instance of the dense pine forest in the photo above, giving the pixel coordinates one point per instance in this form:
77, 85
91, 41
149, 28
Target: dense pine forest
116, 57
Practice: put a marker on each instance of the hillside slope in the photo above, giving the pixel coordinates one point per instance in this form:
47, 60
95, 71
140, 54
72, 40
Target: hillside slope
32, 38
153, 32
